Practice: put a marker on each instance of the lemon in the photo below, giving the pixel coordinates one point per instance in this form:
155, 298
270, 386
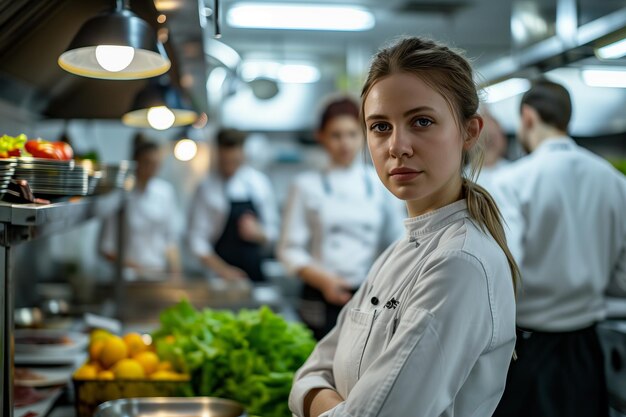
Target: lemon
99, 334
106, 375
95, 349
169, 376
114, 350
134, 343
87, 371
128, 369
148, 360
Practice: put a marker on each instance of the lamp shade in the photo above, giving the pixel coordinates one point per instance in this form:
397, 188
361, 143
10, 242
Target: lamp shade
115, 45
160, 107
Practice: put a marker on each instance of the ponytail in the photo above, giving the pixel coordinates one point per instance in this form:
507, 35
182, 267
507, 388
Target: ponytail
485, 212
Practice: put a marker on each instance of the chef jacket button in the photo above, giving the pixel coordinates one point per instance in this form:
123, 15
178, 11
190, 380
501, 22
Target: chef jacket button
375, 301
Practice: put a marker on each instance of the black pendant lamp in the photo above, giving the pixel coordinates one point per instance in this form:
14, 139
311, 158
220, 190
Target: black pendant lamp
159, 106
115, 45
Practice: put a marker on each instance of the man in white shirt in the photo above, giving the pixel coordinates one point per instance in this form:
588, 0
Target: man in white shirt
234, 217
495, 146
151, 233
567, 230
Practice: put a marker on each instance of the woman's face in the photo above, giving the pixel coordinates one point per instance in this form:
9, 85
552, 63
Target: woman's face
342, 138
415, 142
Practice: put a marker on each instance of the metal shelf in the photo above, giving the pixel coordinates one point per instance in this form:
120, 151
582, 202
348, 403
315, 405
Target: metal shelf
24, 222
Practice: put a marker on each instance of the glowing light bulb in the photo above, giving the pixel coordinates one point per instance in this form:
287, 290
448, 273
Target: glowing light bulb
114, 58
185, 150
160, 117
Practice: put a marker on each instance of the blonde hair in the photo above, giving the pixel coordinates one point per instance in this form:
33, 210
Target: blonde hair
451, 75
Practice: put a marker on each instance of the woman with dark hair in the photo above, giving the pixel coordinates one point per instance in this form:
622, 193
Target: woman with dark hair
432, 330
337, 220
151, 245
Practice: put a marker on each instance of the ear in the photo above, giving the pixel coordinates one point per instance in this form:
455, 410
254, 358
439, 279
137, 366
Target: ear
528, 117
319, 137
472, 131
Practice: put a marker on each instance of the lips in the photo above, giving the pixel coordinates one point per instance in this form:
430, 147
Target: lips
403, 174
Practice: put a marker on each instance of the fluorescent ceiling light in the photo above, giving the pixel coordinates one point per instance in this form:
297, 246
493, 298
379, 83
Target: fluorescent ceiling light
293, 73
615, 78
300, 16
613, 50
506, 89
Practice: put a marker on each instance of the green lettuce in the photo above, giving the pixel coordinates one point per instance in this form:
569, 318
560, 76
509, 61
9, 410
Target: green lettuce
249, 357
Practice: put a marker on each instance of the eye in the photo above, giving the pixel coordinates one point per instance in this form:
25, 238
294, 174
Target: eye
422, 122
380, 127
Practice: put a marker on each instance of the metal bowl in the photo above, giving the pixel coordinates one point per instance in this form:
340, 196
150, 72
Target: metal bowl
171, 407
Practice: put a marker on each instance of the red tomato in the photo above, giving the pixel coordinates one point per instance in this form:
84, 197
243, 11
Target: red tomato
43, 149
66, 149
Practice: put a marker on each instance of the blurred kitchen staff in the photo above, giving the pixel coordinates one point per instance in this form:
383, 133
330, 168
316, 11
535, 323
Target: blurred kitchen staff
494, 144
567, 230
337, 220
151, 218
234, 218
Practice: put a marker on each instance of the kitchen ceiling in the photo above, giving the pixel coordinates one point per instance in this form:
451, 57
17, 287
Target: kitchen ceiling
33, 33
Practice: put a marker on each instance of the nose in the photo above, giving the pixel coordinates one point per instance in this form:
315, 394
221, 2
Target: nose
399, 145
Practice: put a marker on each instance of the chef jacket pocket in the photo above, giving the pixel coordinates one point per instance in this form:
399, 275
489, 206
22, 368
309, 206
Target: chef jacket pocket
353, 340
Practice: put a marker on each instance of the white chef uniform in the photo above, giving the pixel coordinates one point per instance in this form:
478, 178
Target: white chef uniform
430, 333
339, 219
488, 175
152, 226
211, 205
565, 209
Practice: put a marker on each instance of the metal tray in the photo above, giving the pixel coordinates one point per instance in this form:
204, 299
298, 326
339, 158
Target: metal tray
171, 407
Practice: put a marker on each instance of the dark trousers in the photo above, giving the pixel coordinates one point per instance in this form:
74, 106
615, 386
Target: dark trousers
319, 315
556, 375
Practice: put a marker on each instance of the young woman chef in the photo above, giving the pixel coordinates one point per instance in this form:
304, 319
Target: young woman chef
432, 330
337, 220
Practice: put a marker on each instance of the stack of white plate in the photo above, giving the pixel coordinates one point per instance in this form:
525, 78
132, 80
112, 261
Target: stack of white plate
48, 176
7, 168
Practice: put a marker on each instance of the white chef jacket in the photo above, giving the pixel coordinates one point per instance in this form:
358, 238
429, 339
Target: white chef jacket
488, 175
565, 208
151, 219
437, 339
339, 219
211, 206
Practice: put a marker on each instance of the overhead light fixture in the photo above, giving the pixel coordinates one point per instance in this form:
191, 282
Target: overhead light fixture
300, 17
613, 50
185, 150
159, 107
292, 73
506, 89
613, 78
115, 45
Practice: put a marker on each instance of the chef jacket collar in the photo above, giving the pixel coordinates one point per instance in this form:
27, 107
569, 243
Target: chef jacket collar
435, 220
555, 143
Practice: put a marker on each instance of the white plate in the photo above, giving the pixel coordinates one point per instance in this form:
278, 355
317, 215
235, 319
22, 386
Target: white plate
36, 359
74, 342
41, 408
48, 377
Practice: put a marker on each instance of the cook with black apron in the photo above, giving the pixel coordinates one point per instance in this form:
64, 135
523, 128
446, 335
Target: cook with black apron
234, 218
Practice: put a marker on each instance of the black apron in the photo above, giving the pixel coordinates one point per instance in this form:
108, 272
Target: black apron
236, 251
556, 375
318, 314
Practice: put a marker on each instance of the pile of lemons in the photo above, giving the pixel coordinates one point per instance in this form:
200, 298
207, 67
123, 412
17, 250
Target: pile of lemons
128, 357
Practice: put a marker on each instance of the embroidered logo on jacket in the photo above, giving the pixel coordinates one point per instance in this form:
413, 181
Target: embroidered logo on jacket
393, 303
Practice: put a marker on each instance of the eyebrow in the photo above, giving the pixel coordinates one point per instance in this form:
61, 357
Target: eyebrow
406, 113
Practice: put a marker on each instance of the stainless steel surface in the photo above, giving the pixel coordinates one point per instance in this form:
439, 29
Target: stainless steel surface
550, 48
6, 333
23, 222
171, 407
